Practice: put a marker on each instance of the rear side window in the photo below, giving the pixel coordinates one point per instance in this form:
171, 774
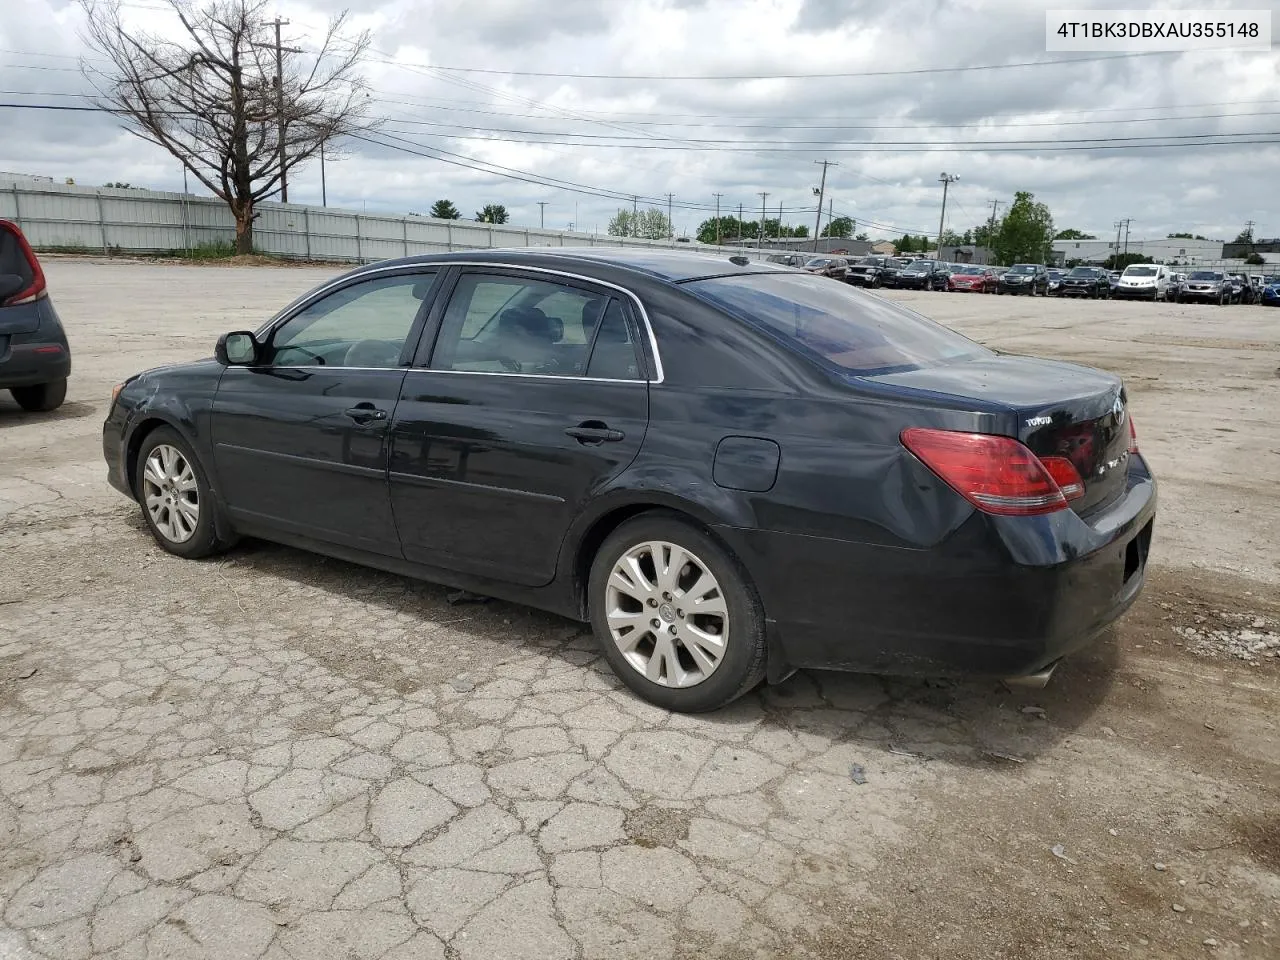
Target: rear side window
835, 325
12, 259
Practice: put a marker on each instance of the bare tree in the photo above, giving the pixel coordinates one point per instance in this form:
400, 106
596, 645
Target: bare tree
210, 96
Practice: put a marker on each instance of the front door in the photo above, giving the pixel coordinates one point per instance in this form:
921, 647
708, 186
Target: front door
301, 438
534, 398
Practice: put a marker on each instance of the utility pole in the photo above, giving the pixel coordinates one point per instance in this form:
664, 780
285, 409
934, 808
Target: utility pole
635, 217
671, 227
739, 223
1118, 225
781, 234
284, 181
946, 179
1248, 229
718, 196
1126, 234
324, 199
542, 214
763, 196
822, 189
991, 230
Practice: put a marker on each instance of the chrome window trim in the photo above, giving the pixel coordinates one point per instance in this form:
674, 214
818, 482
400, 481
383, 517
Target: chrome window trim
659, 372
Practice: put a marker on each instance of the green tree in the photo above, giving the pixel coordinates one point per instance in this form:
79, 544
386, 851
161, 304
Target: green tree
1255, 259
118, 185
864, 237
1026, 231
652, 224
1245, 236
707, 229
1185, 236
492, 213
952, 239
840, 228
1071, 233
445, 210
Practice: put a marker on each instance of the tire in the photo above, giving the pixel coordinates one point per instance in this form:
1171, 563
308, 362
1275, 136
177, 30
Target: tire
741, 663
172, 525
42, 397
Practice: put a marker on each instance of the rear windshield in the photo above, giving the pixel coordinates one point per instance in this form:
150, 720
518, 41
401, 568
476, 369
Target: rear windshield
12, 259
832, 323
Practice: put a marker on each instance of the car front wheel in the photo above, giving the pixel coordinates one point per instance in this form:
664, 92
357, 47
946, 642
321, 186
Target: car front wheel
676, 615
177, 505
42, 397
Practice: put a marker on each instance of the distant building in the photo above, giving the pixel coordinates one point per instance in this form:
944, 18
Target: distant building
885, 248
1171, 251
1231, 251
967, 253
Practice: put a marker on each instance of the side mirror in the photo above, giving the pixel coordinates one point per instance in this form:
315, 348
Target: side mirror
10, 283
239, 349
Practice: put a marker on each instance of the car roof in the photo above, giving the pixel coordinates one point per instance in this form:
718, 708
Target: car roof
670, 265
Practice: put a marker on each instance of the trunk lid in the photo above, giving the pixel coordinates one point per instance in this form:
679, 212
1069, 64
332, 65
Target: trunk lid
1061, 410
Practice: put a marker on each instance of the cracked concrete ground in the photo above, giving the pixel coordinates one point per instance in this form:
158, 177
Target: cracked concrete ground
274, 755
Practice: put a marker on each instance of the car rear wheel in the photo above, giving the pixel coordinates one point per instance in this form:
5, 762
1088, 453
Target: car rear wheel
177, 505
676, 615
41, 397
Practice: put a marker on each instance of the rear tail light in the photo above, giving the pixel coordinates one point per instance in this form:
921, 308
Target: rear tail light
996, 474
1065, 475
36, 288
1133, 436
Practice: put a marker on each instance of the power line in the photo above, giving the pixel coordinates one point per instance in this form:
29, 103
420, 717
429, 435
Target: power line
803, 76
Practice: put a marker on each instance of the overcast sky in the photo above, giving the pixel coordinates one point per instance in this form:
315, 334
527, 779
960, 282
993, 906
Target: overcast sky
650, 136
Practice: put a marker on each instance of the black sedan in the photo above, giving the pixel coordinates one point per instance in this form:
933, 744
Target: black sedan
35, 358
731, 469
1092, 282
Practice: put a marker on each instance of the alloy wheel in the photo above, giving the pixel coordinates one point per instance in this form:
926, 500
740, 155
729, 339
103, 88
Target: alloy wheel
667, 614
170, 493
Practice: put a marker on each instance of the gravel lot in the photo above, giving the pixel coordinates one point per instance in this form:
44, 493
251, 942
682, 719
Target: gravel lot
276, 755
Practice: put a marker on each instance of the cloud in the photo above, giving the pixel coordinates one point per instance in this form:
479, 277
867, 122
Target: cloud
697, 138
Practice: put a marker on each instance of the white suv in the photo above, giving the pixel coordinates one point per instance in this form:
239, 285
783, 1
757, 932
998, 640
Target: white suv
1146, 281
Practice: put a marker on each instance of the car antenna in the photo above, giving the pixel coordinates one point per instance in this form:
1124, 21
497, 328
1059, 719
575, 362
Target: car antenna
739, 260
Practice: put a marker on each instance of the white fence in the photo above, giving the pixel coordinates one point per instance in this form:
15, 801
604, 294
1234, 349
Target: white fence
126, 221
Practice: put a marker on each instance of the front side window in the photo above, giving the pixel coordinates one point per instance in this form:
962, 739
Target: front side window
506, 324
835, 325
363, 325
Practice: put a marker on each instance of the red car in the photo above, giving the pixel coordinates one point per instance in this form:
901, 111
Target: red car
973, 279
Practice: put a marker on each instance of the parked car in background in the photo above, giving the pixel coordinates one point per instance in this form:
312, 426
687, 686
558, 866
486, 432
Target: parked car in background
924, 275
837, 268
1269, 296
892, 270
1241, 289
1055, 281
857, 488
1211, 286
797, 260
1091, 282
35, 358
1176, 280
1113, 278
871, 271
1144, 281
972, 278
1029, 278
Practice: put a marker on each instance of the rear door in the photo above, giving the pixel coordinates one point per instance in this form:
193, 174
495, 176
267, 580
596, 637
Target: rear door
534, 397
301, 439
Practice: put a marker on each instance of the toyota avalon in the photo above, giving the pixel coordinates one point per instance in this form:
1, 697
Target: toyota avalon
730, 469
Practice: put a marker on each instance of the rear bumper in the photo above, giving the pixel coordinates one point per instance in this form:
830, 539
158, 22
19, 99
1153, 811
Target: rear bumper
1002, 596
33, 346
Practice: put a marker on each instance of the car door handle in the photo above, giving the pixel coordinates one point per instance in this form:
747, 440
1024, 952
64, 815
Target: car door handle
593, 431
363, 413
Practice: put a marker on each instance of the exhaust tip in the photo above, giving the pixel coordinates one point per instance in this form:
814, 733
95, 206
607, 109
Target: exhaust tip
1033, 681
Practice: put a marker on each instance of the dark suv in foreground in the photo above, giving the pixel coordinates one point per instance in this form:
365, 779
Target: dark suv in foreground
1091, 282
35, 359
1030, 278
924, 275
